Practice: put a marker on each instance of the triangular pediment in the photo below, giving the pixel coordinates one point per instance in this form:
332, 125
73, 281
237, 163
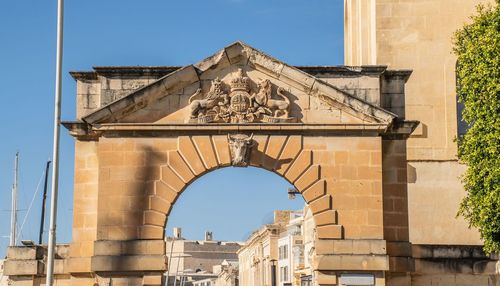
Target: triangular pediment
240, 84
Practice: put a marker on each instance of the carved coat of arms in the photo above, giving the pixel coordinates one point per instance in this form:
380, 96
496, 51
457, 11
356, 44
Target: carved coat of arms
239, 105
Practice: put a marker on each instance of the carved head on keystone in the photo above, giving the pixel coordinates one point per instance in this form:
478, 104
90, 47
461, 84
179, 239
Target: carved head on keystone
240, 146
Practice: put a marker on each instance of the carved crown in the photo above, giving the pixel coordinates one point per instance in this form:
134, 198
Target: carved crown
240, 82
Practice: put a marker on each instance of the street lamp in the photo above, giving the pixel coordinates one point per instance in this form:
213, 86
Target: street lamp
273, 272
292, 192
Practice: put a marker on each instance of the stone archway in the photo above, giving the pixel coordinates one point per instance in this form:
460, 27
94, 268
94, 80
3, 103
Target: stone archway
198, 155
143, 134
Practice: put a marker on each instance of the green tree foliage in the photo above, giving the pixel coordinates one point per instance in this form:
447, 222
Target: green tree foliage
477, 46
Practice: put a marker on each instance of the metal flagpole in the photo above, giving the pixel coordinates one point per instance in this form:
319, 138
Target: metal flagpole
13, 217
44, 198
55, 151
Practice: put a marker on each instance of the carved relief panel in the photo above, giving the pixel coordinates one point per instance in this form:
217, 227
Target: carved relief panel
236, 102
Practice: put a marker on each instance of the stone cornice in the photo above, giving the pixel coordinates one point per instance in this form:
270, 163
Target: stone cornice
84, 131
159, 71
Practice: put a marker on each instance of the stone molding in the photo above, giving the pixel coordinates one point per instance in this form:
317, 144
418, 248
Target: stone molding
83, 131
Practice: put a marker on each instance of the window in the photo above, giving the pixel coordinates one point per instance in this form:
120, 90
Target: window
462, 126
283, 273
283, 252
306, 280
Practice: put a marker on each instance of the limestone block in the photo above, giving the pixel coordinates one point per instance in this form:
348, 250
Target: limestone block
129, 263
22, 267
371, 246
59, 267
303, 161
265, 64
401, 264
212, 65
222, 150
165, 192
151, 232
325, 278
24, 252
205, 149
399, 248
315, 191
273, 150
129, 247
159, 204
326, 217
152, 280
22, 281
296, 78
258, 151
393, 86
81, 249
351, 262
190, 155
107, 247
322, 204
308, 178
236, 53
179, 166
155, 218
170, 178
350, 246
329, 231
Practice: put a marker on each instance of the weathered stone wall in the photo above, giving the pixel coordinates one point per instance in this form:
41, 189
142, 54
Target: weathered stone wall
417, 35
428, 180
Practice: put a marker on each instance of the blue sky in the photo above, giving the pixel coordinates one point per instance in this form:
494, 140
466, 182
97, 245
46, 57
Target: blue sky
149, 33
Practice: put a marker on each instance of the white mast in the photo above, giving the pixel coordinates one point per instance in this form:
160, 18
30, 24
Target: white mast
13, 216
55, 151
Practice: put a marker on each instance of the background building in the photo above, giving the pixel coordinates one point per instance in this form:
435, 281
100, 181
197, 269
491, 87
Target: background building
288, 244
260, 252
195, 259
227, 273
3, 279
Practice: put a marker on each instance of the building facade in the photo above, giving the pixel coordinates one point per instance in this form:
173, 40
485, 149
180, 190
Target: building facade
294, 243
418, 35
260, 252
193, 260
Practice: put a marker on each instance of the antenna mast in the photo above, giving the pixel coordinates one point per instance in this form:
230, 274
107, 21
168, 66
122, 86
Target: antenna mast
13, 216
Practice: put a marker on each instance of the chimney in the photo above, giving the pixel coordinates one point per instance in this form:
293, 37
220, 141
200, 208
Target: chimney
208, 236
177, 233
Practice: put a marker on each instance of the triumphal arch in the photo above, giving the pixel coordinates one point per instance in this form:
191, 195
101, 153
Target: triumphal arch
143, 134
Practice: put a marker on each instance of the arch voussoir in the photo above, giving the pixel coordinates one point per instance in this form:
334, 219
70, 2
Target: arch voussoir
205, 149
321, 204
169, 177
299, 166
190, 155
179, 166
155, 217
222, 150
166, 192
258, 153
314, 191
273, 151
308, 178
292, 148
326, 218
